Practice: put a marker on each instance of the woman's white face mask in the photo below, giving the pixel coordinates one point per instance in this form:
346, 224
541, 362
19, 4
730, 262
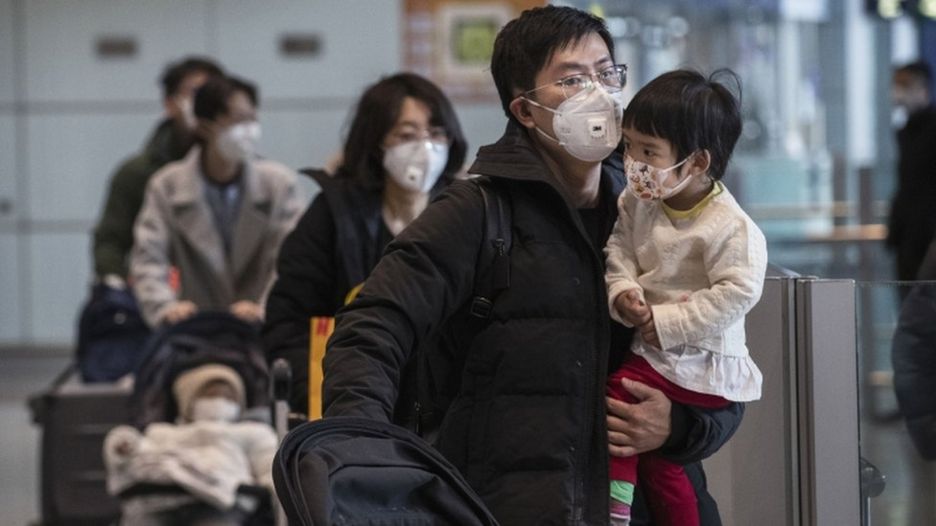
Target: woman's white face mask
215, 409
416, 165
588, 125
649, 182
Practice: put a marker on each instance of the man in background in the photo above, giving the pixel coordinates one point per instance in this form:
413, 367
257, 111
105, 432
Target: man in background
912, 223
174, 136
218, 216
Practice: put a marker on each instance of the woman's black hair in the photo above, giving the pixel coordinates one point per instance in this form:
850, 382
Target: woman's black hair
376, 114
526, 44
692, 113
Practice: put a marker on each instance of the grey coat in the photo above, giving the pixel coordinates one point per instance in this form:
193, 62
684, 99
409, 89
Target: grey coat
176, 228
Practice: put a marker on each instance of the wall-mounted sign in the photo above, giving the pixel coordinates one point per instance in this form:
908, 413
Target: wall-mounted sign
116, 47
450, 42
294, 45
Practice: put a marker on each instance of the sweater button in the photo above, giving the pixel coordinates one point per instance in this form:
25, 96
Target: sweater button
576, 281
578, 363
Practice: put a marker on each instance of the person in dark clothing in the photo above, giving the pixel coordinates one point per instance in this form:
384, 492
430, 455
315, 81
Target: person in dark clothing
913, 356
528, 425
911, 225
174, 136
404, 129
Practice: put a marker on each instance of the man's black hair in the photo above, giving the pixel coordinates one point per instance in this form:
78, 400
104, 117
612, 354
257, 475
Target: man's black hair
526, 44
919, 69
692, 113
376, 114
211, 100
176, 72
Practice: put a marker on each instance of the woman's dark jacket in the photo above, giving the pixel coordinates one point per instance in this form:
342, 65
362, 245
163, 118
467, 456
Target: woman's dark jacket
527, 424
914, 359
332, 249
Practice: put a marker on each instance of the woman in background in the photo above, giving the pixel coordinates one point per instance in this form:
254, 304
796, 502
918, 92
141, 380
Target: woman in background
405, 144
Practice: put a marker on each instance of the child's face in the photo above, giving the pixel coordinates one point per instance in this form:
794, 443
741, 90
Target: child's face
217, 389
654, 151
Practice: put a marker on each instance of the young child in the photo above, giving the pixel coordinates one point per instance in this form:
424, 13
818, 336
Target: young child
684, 266
208, 453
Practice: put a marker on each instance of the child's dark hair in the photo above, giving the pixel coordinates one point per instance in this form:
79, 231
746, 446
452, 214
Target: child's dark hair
524, 46
692, 113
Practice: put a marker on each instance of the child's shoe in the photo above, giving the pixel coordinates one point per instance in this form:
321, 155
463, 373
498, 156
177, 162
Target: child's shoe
620, 513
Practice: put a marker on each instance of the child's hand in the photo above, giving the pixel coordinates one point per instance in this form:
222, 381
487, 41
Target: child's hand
124, 447
631, 308
649, 334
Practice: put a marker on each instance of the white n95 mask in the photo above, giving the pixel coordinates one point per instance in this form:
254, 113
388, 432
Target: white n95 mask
416, 165
239, 142
649, 182
587, 125
215, 409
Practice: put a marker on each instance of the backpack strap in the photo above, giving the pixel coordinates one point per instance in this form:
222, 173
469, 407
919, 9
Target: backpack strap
494, 254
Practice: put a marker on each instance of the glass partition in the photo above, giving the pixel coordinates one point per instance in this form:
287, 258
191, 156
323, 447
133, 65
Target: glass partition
896, 324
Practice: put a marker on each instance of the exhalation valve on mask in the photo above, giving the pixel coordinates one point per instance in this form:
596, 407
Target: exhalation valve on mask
416, 165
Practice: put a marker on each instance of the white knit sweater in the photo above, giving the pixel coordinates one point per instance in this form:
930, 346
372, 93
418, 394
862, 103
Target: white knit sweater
700, 271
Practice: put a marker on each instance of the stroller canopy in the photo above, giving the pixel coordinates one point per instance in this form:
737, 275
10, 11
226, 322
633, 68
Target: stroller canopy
210, 337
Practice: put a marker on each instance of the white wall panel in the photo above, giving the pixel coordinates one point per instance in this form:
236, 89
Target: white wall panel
72, 157
482, 124
360, 41
302, 139
9, 207
61, 35
59, 270
7, 52
10, 313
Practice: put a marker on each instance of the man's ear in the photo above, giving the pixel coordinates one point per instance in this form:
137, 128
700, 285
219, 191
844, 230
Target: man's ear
700, 162
521, 111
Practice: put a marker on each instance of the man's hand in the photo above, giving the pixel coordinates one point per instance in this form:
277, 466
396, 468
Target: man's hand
179, 311
249, 311
640, 427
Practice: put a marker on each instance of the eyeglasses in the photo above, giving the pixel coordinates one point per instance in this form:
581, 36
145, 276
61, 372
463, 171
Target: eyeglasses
612, 78
435, 134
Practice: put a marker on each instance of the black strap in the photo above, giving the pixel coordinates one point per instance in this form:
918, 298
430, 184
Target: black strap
494, 256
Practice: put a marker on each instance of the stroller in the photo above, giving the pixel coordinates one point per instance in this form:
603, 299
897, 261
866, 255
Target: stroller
208, 338
355, 471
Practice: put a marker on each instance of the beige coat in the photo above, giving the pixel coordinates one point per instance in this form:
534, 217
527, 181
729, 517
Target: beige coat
176, 228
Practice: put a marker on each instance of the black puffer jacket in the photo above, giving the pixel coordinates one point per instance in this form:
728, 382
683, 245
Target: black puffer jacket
527, 424
914, 359
332, 249
912, 224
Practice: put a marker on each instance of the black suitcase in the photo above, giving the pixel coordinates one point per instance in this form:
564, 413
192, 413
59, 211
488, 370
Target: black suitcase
75, 418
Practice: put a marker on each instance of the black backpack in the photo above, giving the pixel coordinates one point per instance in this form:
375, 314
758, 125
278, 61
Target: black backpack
437, 374
111, 335
356, 471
